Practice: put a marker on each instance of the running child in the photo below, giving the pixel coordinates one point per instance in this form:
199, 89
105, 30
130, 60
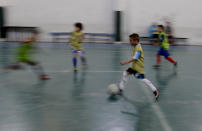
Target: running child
76, 45
137, 66
164, 47
24, 56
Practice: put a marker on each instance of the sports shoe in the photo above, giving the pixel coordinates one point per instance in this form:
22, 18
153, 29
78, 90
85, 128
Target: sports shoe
120, 92
156, 93
175, 64
156, 66
44, 77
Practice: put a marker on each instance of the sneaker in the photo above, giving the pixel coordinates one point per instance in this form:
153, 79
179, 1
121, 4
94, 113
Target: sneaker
156, 66
120, 92
175, 64
44, 77
156, 93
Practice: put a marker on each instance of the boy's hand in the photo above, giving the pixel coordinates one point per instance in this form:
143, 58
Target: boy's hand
124, 63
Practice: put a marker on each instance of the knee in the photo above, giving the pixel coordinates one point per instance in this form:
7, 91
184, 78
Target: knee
145, 80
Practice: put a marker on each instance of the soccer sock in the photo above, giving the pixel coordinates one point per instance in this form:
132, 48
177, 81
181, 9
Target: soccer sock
149, 84
74, 62
123, 81
158, 59
170, 59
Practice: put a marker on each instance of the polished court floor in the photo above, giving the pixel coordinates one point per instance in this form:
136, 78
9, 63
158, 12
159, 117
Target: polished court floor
79, 101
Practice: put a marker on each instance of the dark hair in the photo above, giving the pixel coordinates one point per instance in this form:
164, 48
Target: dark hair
135, 36
79, 25
161, 26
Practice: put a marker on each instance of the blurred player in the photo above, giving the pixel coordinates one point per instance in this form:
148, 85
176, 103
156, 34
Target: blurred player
137, 67
153, 32
169, 32
164, 47
76, 44
24, 56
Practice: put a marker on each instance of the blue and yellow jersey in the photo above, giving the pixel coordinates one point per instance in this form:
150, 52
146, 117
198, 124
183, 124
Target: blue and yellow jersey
138, 55
164, 40
75, 40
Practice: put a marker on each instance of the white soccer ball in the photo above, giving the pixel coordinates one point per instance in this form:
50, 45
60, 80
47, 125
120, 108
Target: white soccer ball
113, 89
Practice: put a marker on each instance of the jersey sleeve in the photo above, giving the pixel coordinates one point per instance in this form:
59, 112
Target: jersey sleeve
137, 55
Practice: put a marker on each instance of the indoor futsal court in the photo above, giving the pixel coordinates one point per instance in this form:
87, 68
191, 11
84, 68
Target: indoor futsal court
79, 101
100, 65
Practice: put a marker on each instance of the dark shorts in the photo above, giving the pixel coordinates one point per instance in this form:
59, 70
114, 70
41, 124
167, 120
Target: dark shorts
163, 52
135, 73
32, 63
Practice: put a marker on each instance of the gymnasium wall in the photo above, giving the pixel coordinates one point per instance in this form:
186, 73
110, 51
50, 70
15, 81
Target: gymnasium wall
184, 14
59, 15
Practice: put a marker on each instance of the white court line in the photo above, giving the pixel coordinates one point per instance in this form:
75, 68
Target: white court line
157, 110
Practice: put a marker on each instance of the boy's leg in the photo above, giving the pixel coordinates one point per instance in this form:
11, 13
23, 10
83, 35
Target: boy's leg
158, 59
82, 57
124, 78
74, 59
12, 67
151, 86
167, 57
38, 69
170, 59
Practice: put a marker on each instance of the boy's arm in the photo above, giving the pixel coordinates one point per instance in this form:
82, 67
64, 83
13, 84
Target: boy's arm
135, 57
160, 40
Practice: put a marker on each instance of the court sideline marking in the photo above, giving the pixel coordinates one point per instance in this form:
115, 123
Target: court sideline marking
157, 110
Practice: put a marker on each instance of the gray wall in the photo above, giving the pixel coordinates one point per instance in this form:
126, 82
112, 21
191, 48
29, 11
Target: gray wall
97, 15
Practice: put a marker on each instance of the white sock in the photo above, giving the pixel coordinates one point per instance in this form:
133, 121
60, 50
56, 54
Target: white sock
149, 84
123, 81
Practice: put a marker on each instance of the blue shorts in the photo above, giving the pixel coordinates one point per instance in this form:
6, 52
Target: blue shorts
78, 51
163, 52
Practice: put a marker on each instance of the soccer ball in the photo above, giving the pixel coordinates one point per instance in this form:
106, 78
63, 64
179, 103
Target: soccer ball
113, 89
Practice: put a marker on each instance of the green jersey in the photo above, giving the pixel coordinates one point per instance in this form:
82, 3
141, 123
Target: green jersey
24, 52
138, 55
164, 41
75, 40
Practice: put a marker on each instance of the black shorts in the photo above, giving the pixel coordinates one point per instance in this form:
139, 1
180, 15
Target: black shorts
31, 63
135, 73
